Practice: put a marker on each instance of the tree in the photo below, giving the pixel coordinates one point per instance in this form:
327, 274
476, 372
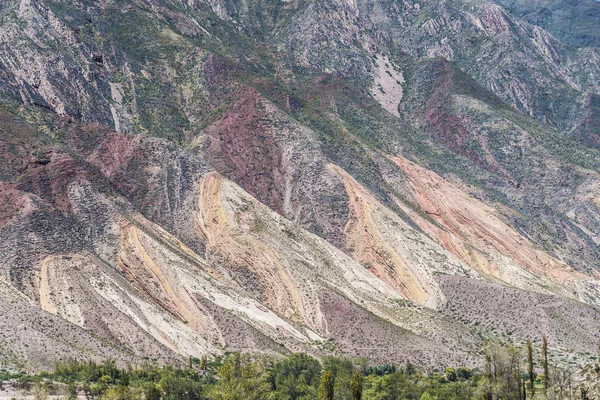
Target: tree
356, 386
503, 373
151, 392
203, 363
296, 377
325, 391
530, 369
342, 370
463, 373
119, 392
560, 381
392, 386
94, 390
40, 391
409, 369
451, 374
242, 378
584, 393
545, 363
486, 384
176, 388
71, 391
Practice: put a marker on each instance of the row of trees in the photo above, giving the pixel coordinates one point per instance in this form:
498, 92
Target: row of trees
509, 373
505, 378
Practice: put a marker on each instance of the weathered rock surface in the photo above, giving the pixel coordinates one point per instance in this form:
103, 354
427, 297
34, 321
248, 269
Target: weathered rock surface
373, 178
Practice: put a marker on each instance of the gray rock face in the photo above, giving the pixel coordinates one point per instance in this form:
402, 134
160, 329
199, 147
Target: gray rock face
573, 22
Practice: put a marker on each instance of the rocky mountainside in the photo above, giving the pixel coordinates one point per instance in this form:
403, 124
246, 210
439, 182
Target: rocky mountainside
382, 179
573, 22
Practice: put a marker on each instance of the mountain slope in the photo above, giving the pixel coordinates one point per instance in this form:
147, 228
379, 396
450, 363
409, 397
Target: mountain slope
573, 22
347, 177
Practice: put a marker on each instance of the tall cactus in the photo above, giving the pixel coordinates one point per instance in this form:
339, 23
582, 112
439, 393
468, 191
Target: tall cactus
545, 364
530, 369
